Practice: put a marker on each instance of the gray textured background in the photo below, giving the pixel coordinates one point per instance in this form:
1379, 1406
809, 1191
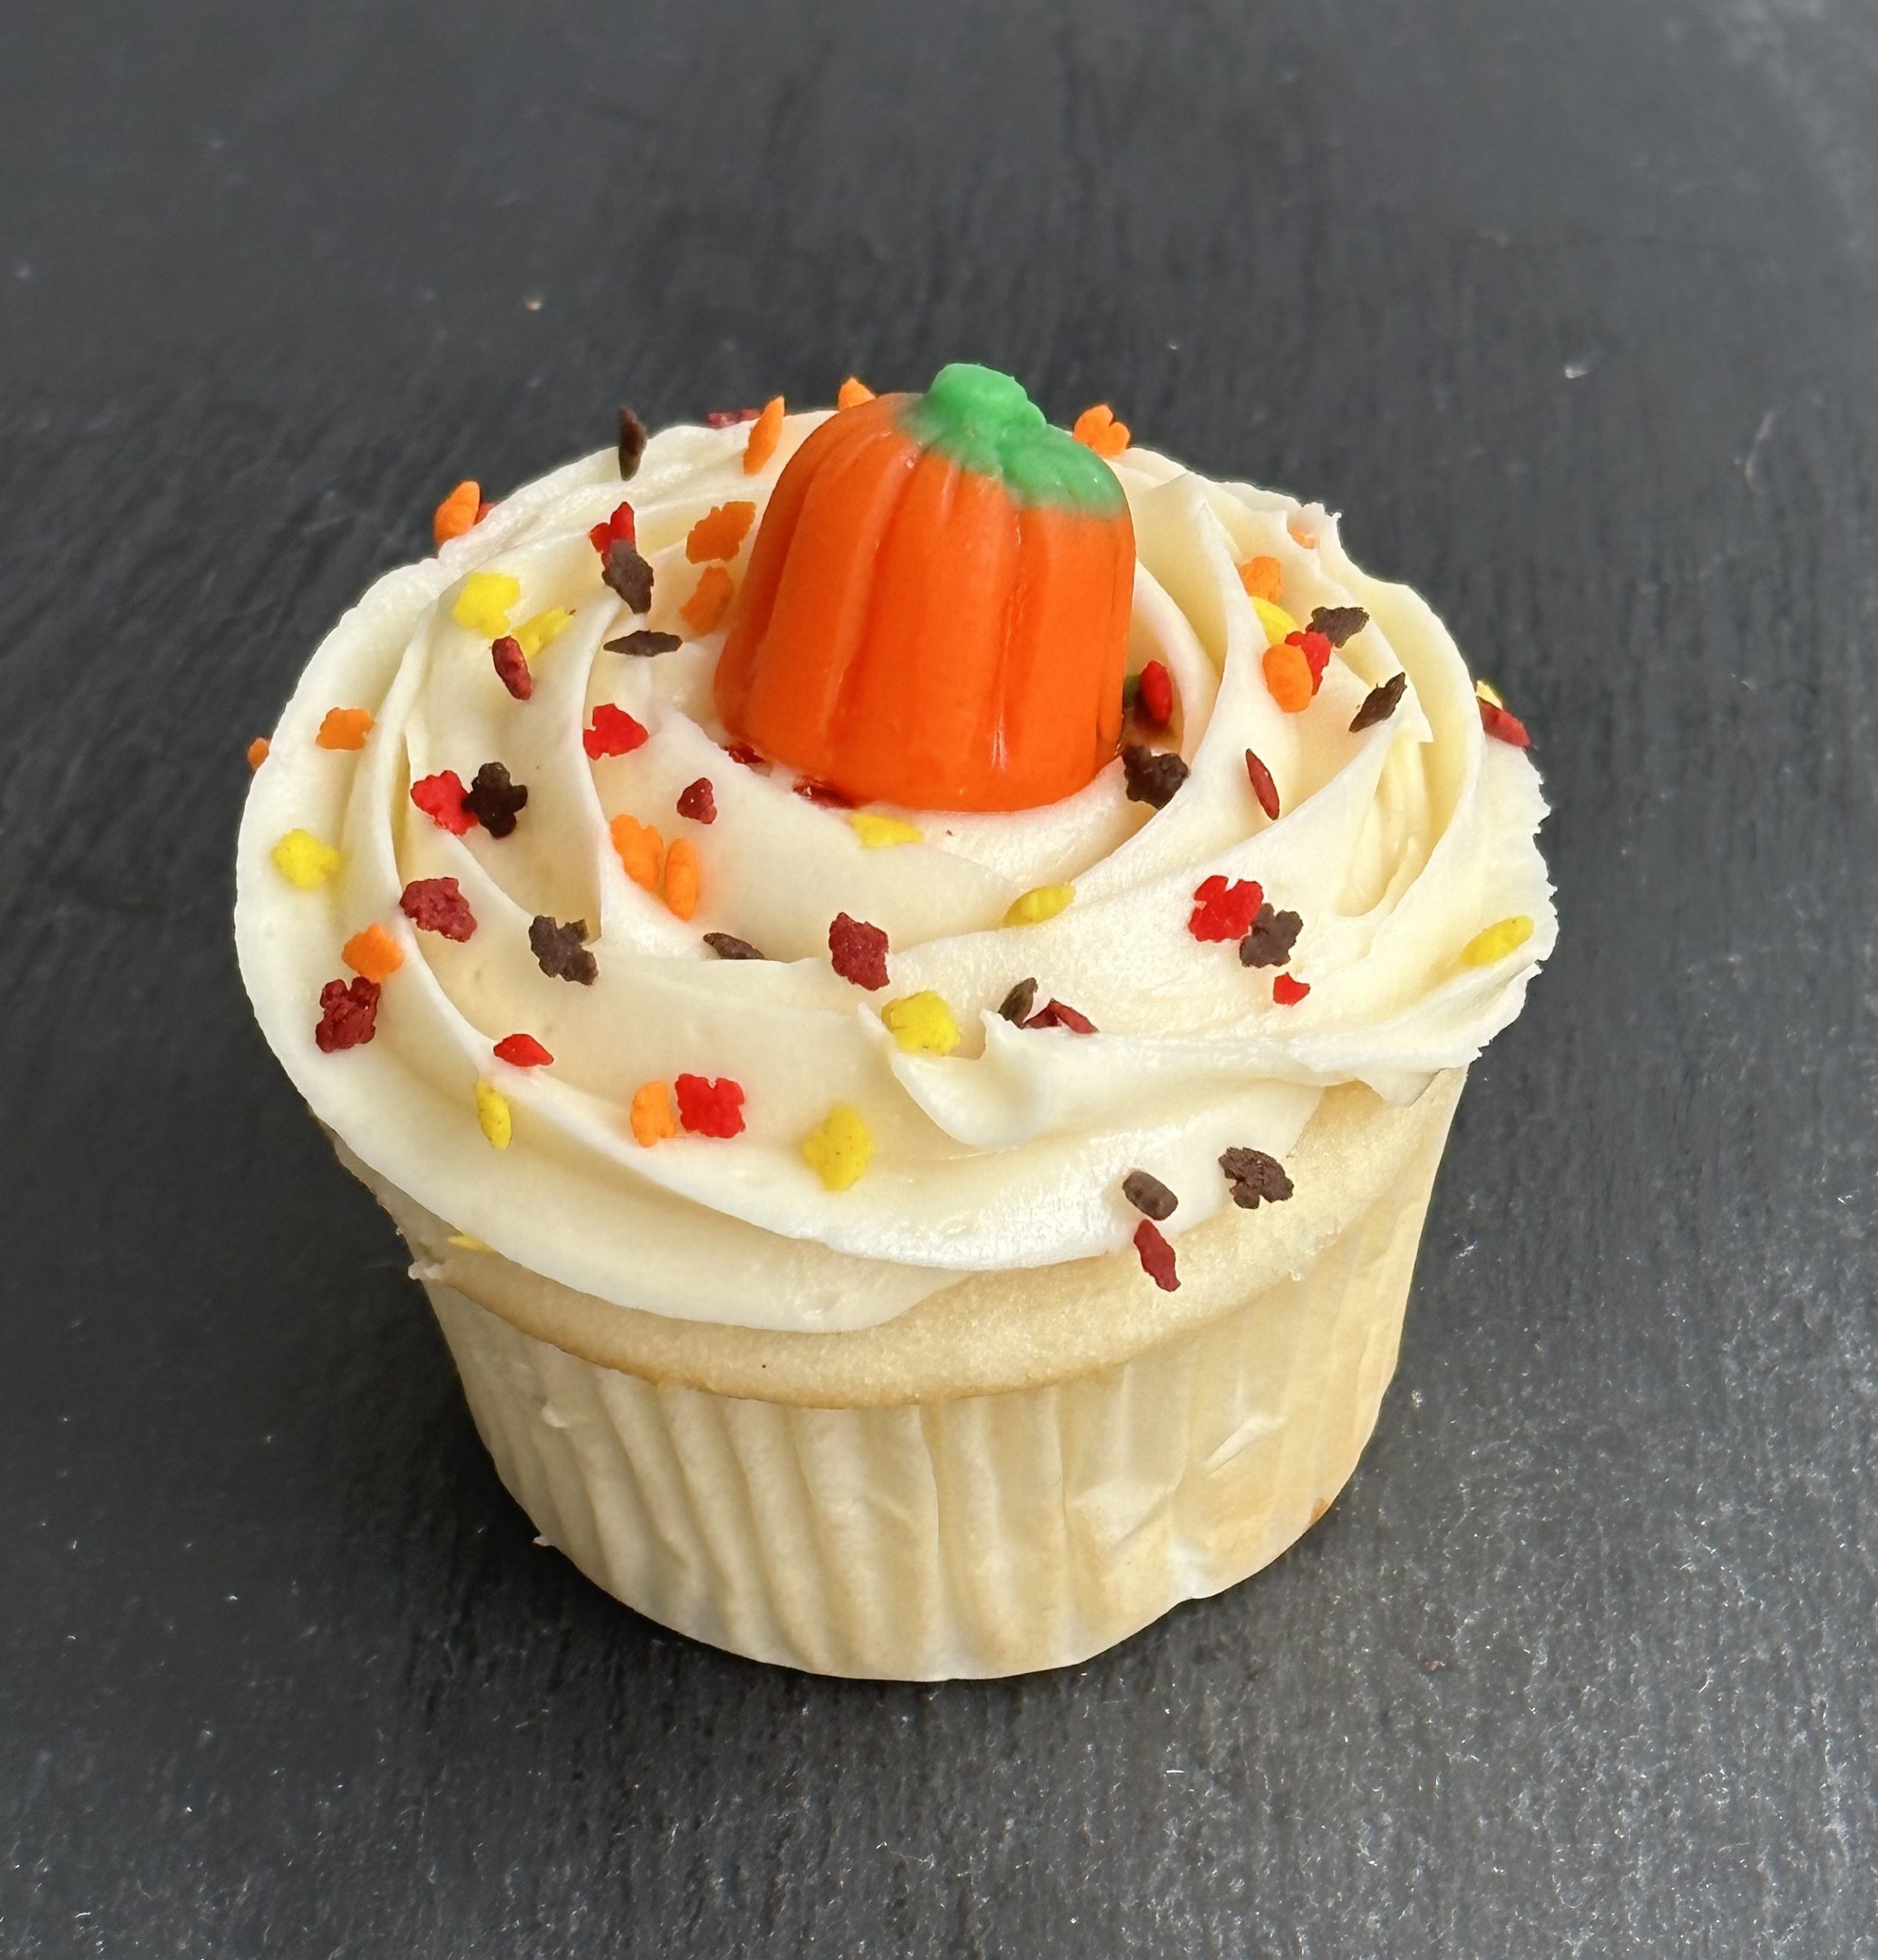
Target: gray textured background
1573, 309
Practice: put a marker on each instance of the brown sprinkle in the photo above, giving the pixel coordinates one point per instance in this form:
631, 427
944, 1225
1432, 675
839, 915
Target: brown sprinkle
1254, 1176
1338, 623
632, 444
644, 643
1149, 1196
628, 575
1019, 1002
493, 799
726, 945
561, 950
1153, 775
1379, 703
1270, 941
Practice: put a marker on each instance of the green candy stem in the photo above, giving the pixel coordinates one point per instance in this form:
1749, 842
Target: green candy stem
984, 422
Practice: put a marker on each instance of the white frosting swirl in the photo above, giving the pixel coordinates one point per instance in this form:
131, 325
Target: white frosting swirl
1396, 846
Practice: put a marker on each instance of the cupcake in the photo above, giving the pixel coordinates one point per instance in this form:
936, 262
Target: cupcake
904, 973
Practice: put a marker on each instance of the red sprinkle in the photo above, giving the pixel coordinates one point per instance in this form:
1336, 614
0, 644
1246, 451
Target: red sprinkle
348, 1014
437, 905
614, 732
1502, 726
858, 951
1156, 1256
522, 1051
1060, 1014
698, 800
440, 797
1288, 992
511, 667
824, 794
1225, 912
621, 526
709, 1108
1317, 649
742, 752
728, 418
1263, 787
1155, 700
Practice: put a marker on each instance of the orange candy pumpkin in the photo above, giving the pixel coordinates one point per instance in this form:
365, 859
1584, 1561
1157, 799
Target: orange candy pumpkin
936, 609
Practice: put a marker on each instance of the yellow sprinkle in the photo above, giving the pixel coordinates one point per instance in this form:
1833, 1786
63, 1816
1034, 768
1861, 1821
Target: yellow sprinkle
532, 634
1489, 694
492, 1113
482, 606
876, 832
1497, 941
922, 1023
466, 1243
1278, 623
303, 860
839, 1151
1035, 906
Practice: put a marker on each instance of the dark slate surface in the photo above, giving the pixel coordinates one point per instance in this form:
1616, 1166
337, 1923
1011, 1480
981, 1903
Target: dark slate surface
1570, 307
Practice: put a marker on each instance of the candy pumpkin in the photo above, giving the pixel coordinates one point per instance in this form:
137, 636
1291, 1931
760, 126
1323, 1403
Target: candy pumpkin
936, 609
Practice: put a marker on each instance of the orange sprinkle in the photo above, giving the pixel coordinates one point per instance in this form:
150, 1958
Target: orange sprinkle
373, 953
1288, 674
458, 512
642, 849
765, 432
719, 532
344, 728
681, 878
1300, 536
652, 1116
257, 751
1097, 428
705, 607
852, 392
1263, 578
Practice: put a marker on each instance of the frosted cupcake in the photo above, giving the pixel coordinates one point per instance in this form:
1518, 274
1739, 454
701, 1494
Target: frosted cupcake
904, 975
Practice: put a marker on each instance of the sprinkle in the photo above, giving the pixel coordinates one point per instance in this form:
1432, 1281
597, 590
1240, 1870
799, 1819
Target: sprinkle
1502, 726
257, 751
1379, 703
644, 643
922, 1023
1149, 1196
1287, 992
1279, 624
465, 1243
493, 800
719, 532
1490, 694
681, 878
1034, 906
620, 526
1153, 775
852, 392
709, 1108
1288, 676
613, 733
457, 513
482, 606
651, 1114
445, 801
1156, 1256
705, 607
373, 953
858, 952
1263, 787
1254, 1176
560, 950
1300, 536
344, 728
632, 444
1506, 935
837, 1151
642, 850
1222, 911
878, 833
1059, 1013
437, 905
511, 667
729, 418
543, 630
627, 574
1097, 428
824, 795
1019, 1002
1263, 578
522, 1051
698, 800
303, 860
727, 945
1270, 941
1155, 702
742, 752
492, 1115
348, 1014
1316, 650
765, 433
1338, 623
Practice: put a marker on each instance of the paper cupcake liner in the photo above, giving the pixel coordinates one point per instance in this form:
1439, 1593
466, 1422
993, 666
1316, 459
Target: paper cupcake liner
960, 1535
